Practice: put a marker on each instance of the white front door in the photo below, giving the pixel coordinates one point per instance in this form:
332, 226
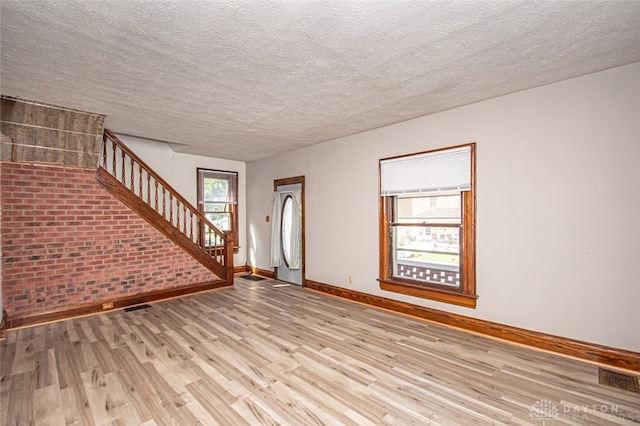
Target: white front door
290, 268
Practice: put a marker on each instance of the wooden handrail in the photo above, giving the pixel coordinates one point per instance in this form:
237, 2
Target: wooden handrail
157, 199
151, 173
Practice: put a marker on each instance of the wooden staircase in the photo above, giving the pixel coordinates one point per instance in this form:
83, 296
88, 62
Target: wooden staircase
139, 187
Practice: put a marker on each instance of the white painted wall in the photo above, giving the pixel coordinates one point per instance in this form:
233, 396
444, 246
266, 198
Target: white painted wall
180, 171
557, 196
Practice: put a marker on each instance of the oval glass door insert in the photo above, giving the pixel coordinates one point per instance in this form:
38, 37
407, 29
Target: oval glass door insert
286, 226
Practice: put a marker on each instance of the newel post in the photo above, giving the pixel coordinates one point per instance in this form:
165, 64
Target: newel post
228, 255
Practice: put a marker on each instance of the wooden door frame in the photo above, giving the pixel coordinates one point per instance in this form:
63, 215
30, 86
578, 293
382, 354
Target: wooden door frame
292, 181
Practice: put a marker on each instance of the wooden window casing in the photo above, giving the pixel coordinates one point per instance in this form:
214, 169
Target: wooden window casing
231, 205
465, 295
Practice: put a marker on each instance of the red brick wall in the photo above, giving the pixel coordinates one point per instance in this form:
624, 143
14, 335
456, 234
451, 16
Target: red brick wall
66, 241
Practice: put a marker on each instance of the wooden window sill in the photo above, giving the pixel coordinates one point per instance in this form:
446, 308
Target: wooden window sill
446, 296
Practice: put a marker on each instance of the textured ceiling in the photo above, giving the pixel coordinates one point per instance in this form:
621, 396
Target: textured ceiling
248, 79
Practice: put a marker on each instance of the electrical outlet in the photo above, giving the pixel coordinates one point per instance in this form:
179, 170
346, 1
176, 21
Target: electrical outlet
350, 279
108, 305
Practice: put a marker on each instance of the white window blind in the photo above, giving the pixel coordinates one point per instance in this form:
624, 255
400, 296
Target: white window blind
431, 173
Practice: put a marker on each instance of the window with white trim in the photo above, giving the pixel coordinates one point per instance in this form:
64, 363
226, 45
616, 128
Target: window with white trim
427, 225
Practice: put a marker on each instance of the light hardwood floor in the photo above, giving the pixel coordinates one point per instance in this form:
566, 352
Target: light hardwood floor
266, 353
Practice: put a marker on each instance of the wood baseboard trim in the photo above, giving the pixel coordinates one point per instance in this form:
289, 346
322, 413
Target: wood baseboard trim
586, 351
262, 272
255, 271
20, 321
241, 269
